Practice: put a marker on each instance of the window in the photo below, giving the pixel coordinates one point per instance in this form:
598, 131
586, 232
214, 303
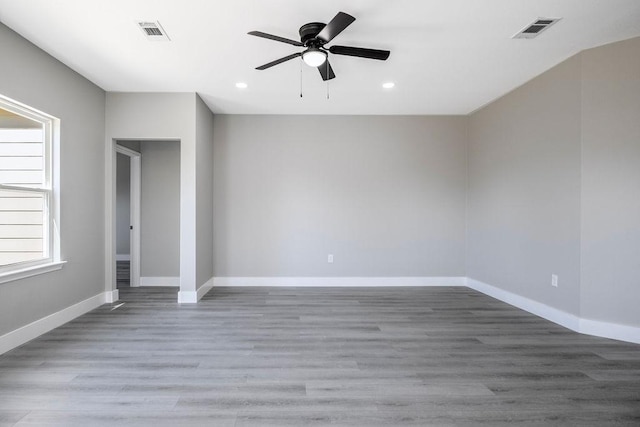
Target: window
27, 220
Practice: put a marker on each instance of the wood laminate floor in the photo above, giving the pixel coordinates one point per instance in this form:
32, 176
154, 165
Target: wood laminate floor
318, 356
123, 273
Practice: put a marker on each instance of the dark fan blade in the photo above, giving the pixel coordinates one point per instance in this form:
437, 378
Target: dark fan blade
278, 61
326, 71
360, 52
336, 26
272, 37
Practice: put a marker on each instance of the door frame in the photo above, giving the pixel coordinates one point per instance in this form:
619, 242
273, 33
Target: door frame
134, 211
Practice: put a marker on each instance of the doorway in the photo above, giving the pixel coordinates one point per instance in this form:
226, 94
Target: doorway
154, 216
127, 215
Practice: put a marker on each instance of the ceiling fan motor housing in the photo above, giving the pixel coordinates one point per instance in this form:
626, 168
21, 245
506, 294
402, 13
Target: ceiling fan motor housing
308, 33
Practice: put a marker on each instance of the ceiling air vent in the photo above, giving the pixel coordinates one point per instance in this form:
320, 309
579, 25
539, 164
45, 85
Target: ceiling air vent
153, 30
535, 28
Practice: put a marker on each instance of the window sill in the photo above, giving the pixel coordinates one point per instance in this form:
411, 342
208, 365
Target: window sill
10, 276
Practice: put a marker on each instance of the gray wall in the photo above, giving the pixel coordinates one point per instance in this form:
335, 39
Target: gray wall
160, 209
34, 78
385, 195
123, 205
611, 183
204, 190
524, 190
554, 187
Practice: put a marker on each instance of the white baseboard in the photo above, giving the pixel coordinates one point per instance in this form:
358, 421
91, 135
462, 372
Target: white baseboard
206, 287
534, 307
33, 330
123, 257
111, 296
570, 321
192, 297
159, 281
339, 281
610, 330
187, 297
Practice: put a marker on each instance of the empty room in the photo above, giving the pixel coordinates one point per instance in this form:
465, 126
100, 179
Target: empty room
285, 213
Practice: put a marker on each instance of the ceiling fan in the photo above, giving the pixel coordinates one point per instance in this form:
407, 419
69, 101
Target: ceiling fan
313, 37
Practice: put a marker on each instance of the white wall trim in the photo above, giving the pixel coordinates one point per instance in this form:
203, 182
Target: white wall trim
610, 330
339, 281
159, 281
187, 297
33, 330
111, 296
575, 323
534, 307
123, 257
192, 297
31, 271
614, 331
206, 287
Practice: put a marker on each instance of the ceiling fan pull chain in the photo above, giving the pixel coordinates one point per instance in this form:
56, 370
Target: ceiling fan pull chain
327, 67
301, 61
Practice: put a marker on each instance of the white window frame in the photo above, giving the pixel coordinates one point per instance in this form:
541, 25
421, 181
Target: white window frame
50, 192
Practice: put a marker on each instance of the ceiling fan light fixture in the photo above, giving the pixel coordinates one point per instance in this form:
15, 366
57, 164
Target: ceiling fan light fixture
314, 57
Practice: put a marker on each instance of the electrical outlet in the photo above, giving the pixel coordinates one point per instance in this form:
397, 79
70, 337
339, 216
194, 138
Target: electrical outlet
554, 280
330, 258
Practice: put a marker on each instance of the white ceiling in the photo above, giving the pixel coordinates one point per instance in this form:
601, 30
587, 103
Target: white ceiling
447, 56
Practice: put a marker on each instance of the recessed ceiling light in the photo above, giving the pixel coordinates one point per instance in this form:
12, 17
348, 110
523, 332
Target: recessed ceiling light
241, 85
388, 85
